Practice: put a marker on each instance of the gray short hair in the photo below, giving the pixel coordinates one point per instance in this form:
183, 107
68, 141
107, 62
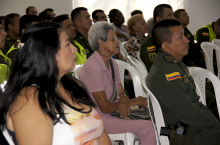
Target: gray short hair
97, 31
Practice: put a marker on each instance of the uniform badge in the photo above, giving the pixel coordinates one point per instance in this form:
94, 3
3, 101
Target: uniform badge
205, 34
81, 37
185, 78
173, 76
169, 58
152, 56
188, 36
188, 73
152, 48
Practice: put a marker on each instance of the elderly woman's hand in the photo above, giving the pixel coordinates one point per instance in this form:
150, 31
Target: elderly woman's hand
141, 101
123, 107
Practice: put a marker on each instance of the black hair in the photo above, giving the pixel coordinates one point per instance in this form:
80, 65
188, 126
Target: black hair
36, 64
9, 19
28, 8
26, 21
59, 19
94, 16
136, 12
162, 32
177, 13
159, 10
76, 12
2, 18
218, 21
45, 15
49, 9
112, 14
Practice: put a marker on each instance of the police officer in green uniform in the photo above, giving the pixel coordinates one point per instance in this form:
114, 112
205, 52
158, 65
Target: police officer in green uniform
12, 29
148, 51
170, 82
82, 22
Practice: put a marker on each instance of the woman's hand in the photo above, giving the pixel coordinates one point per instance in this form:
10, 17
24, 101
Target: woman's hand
141, 101
123, 107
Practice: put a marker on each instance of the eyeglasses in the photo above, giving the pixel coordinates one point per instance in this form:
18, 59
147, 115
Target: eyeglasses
114, 38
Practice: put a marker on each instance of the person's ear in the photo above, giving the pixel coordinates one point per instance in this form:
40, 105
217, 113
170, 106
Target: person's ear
158, 19
165, 47
134, 27
10, 26
100, 42
77, 22
22, 31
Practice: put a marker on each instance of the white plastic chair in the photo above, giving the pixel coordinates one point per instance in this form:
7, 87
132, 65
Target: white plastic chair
208, 47
77, 71
134, 74
7, 136
139, 58
128, 138
123, 49
199, 76
158, 116
216, 42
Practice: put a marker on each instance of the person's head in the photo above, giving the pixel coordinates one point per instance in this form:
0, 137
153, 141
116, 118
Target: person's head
66, 23
81, 19
116, 17
12, 23
182, 16
26, 21
99, 15
52, 12
162, 11
46, 15
3, 35
136, 12
137, 25
150, 24
217, 27
168, 36
2, 21
31, 11
102, 38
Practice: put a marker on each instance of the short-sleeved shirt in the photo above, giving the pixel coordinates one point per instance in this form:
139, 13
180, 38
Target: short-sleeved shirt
84, 43
133, 45
97, 77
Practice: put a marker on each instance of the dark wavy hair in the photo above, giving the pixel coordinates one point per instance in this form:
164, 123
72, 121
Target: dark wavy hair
36, 64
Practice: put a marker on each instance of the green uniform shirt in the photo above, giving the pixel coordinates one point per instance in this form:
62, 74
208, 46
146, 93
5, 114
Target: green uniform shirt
84, 43
148, 51
175, 91
12, 52
8, 44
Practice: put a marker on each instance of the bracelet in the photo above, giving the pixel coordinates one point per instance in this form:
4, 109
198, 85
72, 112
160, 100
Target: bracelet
124, 95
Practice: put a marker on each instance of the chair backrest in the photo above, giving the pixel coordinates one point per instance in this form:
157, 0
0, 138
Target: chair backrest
77, 71
139, 58
158, 115
199, 75
140, 65
7, 137
122, 66
123, 50
208, 47
216, 42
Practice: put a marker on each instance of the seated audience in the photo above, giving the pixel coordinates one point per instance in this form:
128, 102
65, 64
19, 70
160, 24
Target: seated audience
170, 81
5, 62
66, 23
148, 51
137, 28
41, 104
136, 12
99, 15
100, 75
25, 22
46, 15
12, 29
31, 11
82, 22
117, 18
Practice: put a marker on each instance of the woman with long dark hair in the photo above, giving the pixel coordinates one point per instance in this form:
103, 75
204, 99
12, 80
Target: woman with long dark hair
41, 104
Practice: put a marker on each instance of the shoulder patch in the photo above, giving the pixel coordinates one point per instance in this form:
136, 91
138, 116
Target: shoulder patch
152, 48
173, 76
152, 56
205, 34
169, 58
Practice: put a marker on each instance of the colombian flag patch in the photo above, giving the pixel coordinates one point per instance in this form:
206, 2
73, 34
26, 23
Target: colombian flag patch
152, 48
173, 76
205, 34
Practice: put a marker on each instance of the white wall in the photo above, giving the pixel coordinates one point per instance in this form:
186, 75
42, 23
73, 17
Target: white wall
201, 12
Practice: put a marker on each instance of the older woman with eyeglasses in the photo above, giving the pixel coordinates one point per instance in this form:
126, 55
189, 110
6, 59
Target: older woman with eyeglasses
101, 77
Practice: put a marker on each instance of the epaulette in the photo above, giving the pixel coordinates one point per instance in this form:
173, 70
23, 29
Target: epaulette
169, 58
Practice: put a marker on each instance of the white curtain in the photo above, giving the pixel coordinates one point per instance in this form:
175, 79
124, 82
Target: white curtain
127, 6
